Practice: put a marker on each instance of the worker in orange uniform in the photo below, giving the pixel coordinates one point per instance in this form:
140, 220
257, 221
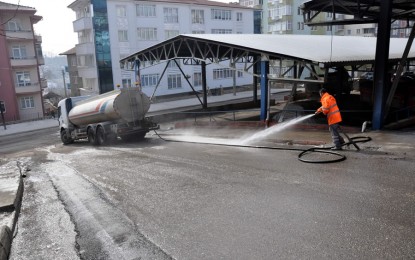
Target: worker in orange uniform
331, 110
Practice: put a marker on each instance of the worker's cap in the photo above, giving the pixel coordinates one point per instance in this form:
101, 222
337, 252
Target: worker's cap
322, 91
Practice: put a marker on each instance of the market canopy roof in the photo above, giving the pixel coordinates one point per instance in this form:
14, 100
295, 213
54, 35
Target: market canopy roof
330, 50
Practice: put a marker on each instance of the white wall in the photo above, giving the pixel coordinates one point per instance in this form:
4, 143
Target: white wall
131, 22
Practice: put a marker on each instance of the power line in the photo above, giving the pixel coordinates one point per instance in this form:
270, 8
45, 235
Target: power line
14, 15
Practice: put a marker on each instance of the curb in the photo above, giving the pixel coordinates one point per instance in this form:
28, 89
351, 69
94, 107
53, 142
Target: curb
7, 231
5, 242
28, 131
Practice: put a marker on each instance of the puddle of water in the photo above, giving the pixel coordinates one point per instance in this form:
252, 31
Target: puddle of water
244, 140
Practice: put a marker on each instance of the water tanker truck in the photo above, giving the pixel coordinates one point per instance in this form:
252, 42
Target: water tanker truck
119, 113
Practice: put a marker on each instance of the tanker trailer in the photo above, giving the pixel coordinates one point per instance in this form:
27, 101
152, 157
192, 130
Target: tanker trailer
119, 113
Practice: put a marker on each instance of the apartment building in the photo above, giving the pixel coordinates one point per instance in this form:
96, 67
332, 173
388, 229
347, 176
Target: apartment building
399, 29
20, 58
75, 82
286, 17
113, 29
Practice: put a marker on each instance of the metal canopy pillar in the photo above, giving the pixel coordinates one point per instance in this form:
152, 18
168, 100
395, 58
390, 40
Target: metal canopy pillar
204, 88
264, 87
256, 71
399, 70
381, 63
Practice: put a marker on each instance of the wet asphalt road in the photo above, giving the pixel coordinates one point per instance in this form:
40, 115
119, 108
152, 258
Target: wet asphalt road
198, 201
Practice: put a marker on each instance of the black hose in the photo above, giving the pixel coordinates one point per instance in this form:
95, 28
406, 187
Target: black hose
340, 157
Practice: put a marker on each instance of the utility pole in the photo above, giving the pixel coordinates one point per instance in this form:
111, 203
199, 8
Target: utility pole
2, 116
64, 81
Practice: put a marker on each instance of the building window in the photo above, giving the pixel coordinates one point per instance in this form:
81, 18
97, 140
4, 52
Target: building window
83, 12
122, 35
126, 83
85, 60
198, 16
13, 25
145, 10
23, 78
121, 11
173, 65
357, 31
27, 102
222, 73
239, 16
218, 14
197, 79
171, 15
149, 80
328, 28
298, 26
170, 33
2, 106
289, 25
19, 52
38, 50
147, 34
368, 30
221, 31
174, 81
198, 32
73, 61
84, 37
302, 26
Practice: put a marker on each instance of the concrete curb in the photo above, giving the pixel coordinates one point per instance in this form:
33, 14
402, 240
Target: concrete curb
28, 131
7, 231
5, 242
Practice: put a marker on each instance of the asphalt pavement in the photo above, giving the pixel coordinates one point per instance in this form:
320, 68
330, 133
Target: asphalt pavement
395, 143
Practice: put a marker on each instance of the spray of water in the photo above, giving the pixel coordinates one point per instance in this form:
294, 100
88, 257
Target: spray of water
191, 137
273, 130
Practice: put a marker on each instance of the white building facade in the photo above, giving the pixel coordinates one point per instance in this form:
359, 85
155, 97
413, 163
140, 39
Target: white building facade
110, 31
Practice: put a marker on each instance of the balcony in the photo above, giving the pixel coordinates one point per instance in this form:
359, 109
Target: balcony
19, 35
23, 62
33, 88
88, 72
38, 39
41, 60
85, 48
84, 23
43, 83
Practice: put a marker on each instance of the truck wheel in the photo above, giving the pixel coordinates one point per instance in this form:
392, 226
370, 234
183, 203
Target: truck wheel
91, 136
66, 138
101, 138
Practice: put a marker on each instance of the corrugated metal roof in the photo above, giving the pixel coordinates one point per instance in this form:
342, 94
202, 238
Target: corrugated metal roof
317, 48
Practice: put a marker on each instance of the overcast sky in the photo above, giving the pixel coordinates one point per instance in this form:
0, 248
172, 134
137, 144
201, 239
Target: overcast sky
56, 27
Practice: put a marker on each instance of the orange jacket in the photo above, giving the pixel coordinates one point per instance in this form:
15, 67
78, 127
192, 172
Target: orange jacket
329, 107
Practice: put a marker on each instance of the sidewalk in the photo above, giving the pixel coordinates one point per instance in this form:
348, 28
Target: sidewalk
11, 184
28, 126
